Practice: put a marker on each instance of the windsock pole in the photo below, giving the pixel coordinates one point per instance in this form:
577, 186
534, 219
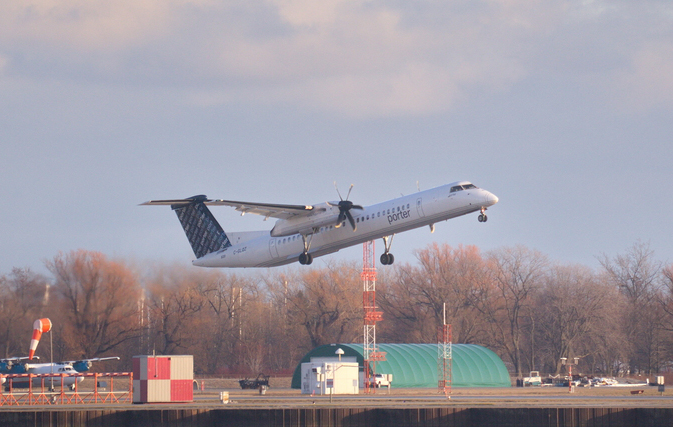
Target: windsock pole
39, 327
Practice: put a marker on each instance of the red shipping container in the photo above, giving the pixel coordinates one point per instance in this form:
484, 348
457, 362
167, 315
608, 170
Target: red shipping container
182, 391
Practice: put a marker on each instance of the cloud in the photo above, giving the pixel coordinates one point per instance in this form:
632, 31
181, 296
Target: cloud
84, 26
363, 58
647, 82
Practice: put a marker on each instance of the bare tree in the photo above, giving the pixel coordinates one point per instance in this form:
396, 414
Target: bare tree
573, 305
328, 303
226, 300
175, 302
414, 299
97, 302
506, 298
636, 275
22, 300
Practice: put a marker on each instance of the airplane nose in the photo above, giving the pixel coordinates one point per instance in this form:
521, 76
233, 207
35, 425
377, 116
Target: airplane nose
491, 199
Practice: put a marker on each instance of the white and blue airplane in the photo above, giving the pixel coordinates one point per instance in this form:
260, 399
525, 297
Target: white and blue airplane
303, 232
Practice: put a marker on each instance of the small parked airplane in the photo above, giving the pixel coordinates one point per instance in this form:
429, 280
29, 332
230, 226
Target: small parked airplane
51, 372
303, 232
15, 365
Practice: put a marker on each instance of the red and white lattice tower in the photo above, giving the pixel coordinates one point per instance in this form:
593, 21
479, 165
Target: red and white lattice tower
371, 316
445, 357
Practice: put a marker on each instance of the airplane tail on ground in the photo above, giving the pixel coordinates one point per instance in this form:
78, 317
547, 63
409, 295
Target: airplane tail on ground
202, 229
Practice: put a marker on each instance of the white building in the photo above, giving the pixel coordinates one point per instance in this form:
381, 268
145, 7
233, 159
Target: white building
330, 376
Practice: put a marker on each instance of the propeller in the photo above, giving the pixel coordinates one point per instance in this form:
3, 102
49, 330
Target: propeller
344, 208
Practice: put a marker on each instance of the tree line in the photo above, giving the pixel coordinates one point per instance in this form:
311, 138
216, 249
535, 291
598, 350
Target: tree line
513, 300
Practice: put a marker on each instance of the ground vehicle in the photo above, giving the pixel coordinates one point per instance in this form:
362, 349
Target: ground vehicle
261, 380
380, 380
533, 379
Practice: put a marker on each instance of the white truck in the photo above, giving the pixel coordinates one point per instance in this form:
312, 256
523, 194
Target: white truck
381, 380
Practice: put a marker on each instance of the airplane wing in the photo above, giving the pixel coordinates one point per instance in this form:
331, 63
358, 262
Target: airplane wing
13, 359
83, 365
265, 209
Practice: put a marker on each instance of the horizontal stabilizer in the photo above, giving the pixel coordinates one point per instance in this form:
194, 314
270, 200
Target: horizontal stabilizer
202, 229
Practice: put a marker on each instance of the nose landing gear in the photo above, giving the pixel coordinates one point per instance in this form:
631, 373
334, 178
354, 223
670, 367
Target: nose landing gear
482, 217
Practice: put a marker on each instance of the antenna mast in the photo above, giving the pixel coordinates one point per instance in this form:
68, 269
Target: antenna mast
371, 316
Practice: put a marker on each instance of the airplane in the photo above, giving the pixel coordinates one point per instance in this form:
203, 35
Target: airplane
48, 372
15, 365
304, 232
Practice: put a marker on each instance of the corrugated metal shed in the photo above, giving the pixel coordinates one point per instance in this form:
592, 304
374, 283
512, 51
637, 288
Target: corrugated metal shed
415, 365
163, 378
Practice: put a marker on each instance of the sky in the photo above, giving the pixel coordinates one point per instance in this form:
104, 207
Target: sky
563, 109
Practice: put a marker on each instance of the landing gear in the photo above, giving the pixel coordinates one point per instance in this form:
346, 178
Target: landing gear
482, 217
387, 258
306, 258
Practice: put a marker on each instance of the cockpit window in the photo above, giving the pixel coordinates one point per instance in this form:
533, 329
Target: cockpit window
462, 187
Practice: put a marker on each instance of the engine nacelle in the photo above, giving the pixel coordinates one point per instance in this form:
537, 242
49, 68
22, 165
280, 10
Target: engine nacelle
323, 215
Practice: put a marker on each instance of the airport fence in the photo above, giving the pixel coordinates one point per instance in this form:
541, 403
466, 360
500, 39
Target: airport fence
42, 389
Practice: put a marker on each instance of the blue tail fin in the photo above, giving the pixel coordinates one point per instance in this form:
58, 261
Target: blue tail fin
202, 229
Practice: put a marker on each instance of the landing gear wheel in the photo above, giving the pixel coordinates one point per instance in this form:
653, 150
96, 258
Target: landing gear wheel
305, 259
482, 218
387, 259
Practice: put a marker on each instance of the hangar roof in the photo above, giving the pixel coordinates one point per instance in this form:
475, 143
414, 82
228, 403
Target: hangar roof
415, 365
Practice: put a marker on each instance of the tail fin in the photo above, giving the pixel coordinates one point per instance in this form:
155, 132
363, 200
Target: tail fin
202, 229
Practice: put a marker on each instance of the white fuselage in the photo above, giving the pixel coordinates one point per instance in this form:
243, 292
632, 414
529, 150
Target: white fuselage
47, 372
373, 222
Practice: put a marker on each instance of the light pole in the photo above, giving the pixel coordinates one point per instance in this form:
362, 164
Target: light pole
564, 361
339, 353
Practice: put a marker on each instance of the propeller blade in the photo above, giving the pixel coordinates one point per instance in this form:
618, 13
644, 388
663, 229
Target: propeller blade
337, 190
351, 220
357, 207
349, 191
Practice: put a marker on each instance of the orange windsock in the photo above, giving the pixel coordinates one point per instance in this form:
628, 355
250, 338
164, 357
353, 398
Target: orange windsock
39, 327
